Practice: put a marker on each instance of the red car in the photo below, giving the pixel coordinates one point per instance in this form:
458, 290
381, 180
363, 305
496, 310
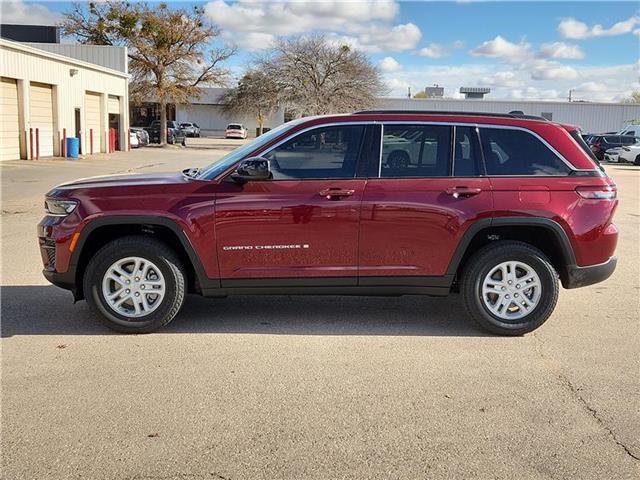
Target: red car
499, 208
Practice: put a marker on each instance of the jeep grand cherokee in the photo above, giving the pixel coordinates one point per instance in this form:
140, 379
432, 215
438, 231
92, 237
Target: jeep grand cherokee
500, 208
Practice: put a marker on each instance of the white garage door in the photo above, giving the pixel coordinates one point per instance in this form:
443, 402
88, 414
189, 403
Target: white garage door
41, 117
93, 119
9, 127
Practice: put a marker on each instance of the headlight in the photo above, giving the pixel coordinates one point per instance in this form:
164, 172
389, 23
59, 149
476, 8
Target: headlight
59, 208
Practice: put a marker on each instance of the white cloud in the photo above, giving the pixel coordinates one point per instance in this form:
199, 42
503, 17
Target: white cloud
377, 38
561, 50
433, 50
547, 70
19, 12
363, 24
572, 28
590, 83
389, 64
502, 79
503, 49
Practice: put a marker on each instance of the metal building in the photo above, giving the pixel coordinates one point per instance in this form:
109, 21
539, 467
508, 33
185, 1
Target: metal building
45, 95
591, 117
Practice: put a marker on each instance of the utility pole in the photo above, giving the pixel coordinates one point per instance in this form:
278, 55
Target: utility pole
409, 92
570, 92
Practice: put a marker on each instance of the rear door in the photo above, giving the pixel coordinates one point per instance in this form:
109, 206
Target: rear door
300, 227
428, 189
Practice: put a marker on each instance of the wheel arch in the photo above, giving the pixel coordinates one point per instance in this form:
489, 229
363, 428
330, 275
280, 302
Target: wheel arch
542, 233
101, 231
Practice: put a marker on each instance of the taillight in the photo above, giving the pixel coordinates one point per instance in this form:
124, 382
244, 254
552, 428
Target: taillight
597, 193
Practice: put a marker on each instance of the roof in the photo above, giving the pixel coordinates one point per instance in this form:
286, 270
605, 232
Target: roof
4, 43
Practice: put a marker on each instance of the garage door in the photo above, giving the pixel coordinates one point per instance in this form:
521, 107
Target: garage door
93, 118
9, 127
41, 116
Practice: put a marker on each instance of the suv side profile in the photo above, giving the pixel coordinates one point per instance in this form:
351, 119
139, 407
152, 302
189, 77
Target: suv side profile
499, 208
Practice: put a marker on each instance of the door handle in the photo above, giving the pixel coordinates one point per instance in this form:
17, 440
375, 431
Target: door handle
336, 193
457, 192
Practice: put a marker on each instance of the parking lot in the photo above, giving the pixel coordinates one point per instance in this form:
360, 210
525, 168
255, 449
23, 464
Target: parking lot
310, 387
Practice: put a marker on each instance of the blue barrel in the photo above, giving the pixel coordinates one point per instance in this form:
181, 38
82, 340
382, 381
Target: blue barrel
73, 147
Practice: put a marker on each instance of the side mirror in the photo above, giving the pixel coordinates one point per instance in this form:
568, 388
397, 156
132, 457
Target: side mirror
254, 168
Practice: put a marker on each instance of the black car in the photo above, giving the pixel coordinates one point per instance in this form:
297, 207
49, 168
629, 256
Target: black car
175, 134
601, 143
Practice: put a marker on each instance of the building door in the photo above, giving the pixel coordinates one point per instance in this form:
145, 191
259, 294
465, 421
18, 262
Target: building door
113, 107
93, 119
9, 120
41, 118
78, 127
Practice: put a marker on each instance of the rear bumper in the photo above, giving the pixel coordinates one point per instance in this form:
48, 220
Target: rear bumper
583, 276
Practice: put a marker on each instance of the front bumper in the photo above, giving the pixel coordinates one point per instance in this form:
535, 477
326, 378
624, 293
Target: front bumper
583, 276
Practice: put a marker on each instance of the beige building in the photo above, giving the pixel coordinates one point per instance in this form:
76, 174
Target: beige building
45, 95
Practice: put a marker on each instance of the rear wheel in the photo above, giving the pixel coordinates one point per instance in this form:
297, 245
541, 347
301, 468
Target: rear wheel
637, 160
509, 288
136, 284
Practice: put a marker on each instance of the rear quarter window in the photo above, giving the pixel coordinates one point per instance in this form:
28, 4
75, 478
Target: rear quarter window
509, 152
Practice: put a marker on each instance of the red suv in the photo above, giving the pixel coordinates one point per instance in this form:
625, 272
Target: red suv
497, 207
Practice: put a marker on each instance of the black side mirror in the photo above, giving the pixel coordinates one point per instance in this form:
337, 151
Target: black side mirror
254, 168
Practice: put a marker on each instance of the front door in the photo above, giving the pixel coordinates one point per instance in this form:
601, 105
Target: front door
301, 226
425, 196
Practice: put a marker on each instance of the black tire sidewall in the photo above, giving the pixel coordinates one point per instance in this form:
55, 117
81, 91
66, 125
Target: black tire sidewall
170, 271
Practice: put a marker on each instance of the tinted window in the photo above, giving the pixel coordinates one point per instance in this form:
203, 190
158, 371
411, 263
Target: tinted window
330, 152
628, 140
612, 139
416, 151
516, 152
466, 154
234, 126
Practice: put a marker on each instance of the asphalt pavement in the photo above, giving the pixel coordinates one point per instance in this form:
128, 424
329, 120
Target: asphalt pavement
309, 387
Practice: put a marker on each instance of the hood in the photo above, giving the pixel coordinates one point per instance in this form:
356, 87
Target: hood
125, 180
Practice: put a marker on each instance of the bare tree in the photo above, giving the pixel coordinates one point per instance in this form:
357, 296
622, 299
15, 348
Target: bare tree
633, 98
256, 94
169, 50
315, 76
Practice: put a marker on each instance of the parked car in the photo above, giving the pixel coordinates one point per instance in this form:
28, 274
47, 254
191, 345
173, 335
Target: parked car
142, 134
499, 208
175, 135
628, 153
236, 130
190, 129
633, 130
601, 143
133, 139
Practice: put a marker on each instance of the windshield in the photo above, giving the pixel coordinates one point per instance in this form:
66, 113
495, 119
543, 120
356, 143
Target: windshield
215, 169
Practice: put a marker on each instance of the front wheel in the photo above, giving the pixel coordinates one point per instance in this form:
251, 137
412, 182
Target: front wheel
509, 288
136, 284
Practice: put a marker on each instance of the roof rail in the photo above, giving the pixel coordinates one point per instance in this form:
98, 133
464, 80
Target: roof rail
434, 112
445, 112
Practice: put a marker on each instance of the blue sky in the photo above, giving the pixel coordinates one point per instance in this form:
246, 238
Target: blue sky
536, 50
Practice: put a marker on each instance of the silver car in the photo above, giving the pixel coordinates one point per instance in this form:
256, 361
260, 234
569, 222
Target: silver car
142, 134
190, 129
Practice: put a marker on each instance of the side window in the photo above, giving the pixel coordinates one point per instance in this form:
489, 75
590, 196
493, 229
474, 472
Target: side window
415, 151
466, 154
516, 152
330, 152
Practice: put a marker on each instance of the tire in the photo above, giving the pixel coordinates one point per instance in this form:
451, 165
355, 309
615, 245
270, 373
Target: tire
637, 160
150, 250
486, 260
